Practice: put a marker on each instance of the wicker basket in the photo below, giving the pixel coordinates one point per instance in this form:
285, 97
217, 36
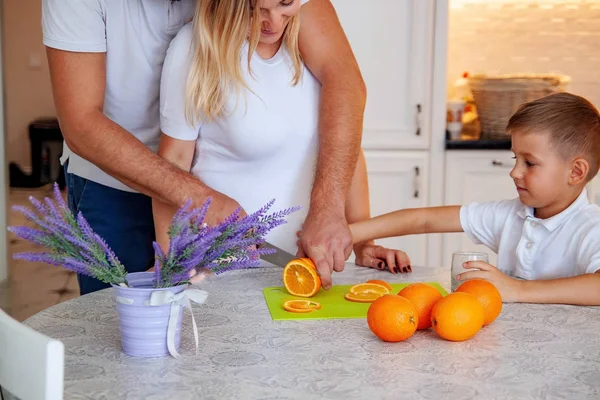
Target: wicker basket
498, 97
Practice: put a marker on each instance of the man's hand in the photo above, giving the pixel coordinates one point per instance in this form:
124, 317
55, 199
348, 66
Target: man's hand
509, 287
221, 207
326, 240
379, 257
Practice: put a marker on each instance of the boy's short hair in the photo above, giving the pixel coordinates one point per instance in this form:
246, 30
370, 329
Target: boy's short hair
572, 121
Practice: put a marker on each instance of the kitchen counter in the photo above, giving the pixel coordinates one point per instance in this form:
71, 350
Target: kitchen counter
473, 139
479, 144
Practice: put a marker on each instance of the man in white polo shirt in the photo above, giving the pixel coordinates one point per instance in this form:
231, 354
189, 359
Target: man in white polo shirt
105, 59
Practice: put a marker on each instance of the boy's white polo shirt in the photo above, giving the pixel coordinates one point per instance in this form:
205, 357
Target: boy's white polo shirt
565, 245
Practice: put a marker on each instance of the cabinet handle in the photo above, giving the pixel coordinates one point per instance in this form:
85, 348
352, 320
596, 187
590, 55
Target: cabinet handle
418, 120
498, 163
416, 183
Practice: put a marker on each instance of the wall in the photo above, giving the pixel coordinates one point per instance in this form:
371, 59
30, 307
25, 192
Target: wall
538, 36
28, 93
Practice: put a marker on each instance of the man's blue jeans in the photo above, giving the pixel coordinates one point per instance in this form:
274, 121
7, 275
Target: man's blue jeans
123, 219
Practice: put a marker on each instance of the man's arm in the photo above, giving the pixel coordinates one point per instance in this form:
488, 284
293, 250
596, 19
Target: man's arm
410, 221
327, 53
78, 85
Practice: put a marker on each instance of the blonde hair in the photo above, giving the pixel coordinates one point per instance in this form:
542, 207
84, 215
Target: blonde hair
220, 30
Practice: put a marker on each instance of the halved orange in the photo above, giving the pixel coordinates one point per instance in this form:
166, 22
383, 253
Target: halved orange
301, 306
300, 278
382, 283
369, 288
362, 297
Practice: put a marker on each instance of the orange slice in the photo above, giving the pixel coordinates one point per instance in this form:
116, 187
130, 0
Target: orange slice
300, 278
362, 297
301, 306
382, 283
369, 288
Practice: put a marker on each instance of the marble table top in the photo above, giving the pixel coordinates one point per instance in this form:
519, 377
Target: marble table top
530, 352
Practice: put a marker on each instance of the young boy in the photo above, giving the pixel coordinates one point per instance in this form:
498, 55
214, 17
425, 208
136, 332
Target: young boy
548, 239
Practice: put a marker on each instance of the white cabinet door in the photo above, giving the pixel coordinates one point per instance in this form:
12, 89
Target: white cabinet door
397, 180
393, 44
475, 176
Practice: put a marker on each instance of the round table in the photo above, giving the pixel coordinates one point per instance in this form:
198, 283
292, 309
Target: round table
529, 352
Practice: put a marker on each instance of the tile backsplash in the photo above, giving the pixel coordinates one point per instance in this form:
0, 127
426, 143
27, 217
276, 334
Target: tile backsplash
527, 36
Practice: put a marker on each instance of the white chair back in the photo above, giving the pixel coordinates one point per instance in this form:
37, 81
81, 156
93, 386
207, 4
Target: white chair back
31, 364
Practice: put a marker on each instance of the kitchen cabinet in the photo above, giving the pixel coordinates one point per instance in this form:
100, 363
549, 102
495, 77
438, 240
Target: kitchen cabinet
393, 44
398, 180
475, 176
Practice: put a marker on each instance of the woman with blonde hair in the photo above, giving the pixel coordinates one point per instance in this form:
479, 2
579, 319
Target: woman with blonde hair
239, 110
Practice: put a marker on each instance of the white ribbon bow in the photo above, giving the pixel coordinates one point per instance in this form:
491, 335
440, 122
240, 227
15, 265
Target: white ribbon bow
160, 298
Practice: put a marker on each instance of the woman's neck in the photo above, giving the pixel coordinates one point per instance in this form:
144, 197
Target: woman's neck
267, 50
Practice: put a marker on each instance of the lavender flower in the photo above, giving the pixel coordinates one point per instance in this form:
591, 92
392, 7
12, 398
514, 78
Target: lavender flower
194, 246
71, 241
232, 244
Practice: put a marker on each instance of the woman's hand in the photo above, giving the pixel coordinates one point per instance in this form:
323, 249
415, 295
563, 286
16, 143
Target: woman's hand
379, 257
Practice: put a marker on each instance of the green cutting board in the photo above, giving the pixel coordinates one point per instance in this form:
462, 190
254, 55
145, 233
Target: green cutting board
333, 304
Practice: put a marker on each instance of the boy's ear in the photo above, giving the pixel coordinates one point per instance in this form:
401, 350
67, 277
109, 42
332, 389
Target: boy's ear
580, 169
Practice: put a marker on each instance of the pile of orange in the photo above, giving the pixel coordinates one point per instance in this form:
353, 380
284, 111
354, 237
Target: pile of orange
455, 317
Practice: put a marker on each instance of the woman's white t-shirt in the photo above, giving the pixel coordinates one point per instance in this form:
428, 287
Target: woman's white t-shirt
265, 148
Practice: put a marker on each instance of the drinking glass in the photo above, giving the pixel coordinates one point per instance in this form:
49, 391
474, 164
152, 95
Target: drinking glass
458, 259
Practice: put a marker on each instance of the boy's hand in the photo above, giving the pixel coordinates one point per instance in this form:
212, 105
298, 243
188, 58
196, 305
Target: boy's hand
370, 255
509, 287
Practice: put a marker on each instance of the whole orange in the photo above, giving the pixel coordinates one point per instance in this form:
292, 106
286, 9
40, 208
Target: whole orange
392, 318
457, 317
423, 297
487, 294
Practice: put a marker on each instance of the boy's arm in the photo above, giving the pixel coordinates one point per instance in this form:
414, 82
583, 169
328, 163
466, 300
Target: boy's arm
408, 222
583, 290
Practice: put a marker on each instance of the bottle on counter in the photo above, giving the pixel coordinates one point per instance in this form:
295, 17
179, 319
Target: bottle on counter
462, 89
469, 116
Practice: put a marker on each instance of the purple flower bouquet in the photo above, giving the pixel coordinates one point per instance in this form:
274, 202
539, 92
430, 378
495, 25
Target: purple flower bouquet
194, 246
149, 304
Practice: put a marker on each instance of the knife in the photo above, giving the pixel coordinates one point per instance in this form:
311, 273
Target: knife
280, 257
